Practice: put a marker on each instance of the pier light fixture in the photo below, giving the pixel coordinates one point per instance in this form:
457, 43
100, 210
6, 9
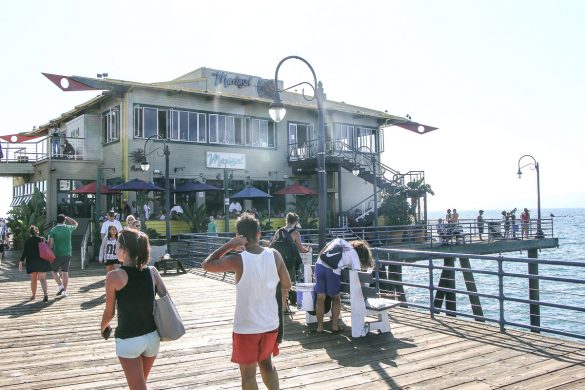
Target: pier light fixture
277, 112
533, 165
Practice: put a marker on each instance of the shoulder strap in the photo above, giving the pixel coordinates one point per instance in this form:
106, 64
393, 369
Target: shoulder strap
153, 281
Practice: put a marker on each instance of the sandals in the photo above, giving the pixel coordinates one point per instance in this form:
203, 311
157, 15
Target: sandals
46, 298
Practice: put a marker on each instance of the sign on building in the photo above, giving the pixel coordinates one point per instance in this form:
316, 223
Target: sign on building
226, 160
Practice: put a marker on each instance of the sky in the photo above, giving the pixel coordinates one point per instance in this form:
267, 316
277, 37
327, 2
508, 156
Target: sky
500, 79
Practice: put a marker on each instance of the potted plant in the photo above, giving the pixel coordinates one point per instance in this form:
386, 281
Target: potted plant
396, 212
417, 190
22, 217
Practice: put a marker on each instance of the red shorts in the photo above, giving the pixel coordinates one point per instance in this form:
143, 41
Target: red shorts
254, 348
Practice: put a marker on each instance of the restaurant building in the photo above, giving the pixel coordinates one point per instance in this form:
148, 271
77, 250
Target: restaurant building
218, 130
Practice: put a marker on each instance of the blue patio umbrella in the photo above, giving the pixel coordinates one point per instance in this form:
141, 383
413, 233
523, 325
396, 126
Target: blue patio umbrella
195, 187
250, 193
137, 185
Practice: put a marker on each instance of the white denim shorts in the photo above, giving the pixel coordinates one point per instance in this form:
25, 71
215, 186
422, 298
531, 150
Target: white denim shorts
133, 347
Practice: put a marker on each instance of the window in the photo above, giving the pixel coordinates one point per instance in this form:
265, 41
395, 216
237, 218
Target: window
365, 137
110, 125
149, 121
189, 126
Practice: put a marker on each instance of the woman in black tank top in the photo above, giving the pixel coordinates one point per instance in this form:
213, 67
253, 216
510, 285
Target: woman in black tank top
130, 289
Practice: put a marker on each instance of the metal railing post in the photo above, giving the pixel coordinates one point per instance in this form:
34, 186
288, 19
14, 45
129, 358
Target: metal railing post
431, 289
502, 320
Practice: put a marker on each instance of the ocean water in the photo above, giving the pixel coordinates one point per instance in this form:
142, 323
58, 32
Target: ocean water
569, 226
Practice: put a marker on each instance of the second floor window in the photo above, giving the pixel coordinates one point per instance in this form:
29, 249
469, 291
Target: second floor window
111, 125
189, 126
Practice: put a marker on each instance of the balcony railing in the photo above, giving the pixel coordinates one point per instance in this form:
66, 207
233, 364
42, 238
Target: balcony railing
42, 149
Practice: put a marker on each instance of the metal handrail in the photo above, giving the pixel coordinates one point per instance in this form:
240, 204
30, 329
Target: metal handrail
40, 149
84, 242
500, 296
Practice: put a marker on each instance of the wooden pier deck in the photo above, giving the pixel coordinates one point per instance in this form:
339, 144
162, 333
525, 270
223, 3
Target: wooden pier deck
57, 345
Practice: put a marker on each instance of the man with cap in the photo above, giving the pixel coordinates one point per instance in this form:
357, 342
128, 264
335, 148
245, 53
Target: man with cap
480, 224
525, 221
110, 221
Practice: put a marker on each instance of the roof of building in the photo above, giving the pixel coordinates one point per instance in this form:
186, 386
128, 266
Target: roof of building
197, 82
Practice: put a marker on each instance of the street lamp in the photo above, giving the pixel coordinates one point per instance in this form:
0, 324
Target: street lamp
356, 172
98, 205
146, 166
277, 112
534, 165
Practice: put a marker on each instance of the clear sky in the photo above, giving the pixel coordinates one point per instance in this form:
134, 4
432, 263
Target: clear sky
499, 78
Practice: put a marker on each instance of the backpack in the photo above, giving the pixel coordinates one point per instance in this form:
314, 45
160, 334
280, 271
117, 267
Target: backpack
332, 257
287, 248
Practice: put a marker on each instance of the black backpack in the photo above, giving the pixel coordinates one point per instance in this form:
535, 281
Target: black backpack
287, 248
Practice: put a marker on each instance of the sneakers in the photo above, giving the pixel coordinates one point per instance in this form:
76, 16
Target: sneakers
46, 298
60, 291
64, 293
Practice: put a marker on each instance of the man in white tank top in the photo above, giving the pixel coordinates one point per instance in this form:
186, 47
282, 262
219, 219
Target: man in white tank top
258, 271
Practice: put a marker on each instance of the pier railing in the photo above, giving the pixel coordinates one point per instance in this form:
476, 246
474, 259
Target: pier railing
511, 292
535, 294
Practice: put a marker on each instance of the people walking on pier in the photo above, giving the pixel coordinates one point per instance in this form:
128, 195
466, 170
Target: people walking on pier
354, 255
36, 267
506, 224
131, 289
60, 241
480, 224
287, 241
111, 220
3, 238
258, 270
525, 221
108, 254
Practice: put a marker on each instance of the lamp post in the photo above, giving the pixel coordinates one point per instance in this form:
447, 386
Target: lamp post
98, 205
146, 166
356, 172
533, 163
277, 112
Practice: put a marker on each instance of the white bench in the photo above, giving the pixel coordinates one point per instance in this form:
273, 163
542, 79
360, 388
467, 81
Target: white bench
364, 301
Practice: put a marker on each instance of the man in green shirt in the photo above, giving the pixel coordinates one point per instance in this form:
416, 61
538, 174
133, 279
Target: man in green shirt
60, 241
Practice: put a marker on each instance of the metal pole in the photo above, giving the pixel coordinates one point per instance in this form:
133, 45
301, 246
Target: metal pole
322, 173
539, 232
375, 189
167, 196
225, 205
98, 211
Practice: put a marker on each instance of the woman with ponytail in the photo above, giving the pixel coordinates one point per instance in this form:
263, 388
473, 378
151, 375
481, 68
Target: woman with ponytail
130, 288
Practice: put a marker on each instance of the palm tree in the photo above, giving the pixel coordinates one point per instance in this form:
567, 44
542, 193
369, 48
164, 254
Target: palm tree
418, 189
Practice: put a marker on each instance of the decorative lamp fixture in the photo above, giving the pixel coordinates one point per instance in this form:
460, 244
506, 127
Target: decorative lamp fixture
277, 110
145, 166
356, 171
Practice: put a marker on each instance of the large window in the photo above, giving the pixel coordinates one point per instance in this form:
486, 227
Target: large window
111, 125
352, 137
149, 121
215, 128
235, 130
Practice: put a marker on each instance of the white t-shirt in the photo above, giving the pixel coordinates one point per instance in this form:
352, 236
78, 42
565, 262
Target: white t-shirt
256, 307
111, 249
235, 206
177, 208
349, 258
146, 211
106, 226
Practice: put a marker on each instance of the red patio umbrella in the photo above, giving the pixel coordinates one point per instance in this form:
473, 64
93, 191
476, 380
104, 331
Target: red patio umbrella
296, 189
90, 189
